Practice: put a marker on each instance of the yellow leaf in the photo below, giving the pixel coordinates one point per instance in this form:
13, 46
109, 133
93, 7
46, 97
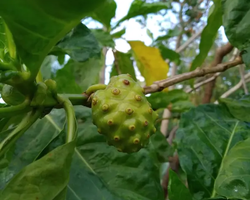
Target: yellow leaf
149, 61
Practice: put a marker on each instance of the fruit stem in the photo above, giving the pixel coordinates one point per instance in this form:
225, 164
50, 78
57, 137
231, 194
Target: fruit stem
77, 99
71, 119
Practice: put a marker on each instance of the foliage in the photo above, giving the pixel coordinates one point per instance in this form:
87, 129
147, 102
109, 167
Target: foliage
51, 71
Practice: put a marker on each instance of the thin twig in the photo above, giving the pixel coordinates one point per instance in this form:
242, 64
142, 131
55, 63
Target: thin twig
235, 88
242, 72
162, 84
197, 85
190, 40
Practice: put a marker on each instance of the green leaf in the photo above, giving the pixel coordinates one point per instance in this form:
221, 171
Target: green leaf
7, 45
167, 53
121, 172
80, 44
176, 189
118, 34
236, 23
104, 38
29, 146
86, 73
46, 68
65, 80
44, 178
123, 64
36, 27
105, 13
140, 7
163, 99
238, 108
107, 173
170, 33
205, 136
208, 35
233, 178
159, 146
237, 26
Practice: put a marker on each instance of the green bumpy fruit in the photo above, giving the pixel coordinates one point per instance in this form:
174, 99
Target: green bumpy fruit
122, 113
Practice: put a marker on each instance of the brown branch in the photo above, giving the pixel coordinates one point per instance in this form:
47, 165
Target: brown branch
160, 85
220, 53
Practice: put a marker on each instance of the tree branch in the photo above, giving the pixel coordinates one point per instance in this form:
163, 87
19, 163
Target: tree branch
220, 53
162, 84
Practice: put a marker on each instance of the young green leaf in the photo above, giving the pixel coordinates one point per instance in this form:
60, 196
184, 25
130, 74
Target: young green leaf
7, 45
205, 136
118, 34
123, 64
36, 27
208, 34
167, 53
140, 7
176, 189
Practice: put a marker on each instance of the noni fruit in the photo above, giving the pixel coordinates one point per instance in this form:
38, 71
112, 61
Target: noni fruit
122, 113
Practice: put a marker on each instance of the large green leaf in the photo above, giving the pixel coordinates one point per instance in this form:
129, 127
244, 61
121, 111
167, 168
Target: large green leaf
65, 80
123, 64
80, 44
160, 148
38, 25
233, 178
126, 175
204, 138
238, 108
140, 7
237, 26
44, 178
208, 34
236, 22
105, 13
176, 189
87, 73
76, 77
29, 146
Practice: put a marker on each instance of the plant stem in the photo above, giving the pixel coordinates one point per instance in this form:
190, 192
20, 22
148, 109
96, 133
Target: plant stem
77, 99
15, 110
27, 121
71, 119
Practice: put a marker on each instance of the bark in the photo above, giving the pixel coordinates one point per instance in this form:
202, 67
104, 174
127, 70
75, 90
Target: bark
220, 54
